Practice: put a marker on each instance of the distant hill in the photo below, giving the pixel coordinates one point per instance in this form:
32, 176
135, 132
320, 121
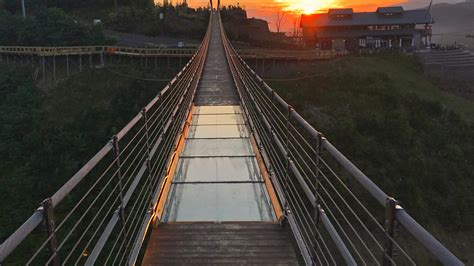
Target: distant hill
453, 22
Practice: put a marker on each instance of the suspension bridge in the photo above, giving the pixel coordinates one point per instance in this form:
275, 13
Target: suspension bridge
219, 169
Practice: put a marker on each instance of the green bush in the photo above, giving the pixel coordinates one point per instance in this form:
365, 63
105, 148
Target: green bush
48, 27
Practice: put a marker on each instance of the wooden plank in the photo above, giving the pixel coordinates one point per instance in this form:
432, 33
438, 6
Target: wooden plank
220, 243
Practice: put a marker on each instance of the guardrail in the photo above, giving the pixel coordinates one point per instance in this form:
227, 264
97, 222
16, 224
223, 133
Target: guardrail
85, 50
101, 215
328, 201
278, 54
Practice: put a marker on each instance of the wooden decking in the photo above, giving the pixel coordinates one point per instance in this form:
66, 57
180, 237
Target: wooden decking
253, 243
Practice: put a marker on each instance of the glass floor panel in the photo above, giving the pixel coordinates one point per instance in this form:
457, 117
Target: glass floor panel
213, 119
217, 169
218, 202
228, 109
218, 131
218, 177
217, 147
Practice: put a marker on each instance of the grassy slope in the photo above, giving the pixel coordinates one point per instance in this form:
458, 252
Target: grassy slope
411, 138
48, 134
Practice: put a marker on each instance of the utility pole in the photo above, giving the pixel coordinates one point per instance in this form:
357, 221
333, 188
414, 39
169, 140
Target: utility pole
23, 9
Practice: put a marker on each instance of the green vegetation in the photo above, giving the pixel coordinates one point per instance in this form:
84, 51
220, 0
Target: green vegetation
414, 140
176, 20
48, 134
48, 27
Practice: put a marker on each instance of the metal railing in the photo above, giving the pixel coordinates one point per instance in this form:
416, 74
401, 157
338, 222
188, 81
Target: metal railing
328, 201
101, 215
85, 50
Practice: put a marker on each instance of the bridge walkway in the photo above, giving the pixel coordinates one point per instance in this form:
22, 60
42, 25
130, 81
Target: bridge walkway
218, 209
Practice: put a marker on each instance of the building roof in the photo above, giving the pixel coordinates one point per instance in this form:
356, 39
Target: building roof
390, 10
340, 11
383, 16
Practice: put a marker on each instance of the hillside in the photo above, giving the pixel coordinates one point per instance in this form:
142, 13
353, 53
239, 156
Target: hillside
413, 139
47, 134
453, 22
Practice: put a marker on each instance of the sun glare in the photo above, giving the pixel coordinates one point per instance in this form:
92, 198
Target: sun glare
307, 6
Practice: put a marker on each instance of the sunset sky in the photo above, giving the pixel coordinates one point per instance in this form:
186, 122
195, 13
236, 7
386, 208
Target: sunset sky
266, 9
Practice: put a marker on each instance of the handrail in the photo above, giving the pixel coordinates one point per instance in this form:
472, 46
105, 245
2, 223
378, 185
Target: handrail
84, 50
119, 184
305, 171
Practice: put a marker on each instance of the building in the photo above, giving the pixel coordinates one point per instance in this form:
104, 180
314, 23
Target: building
386, 28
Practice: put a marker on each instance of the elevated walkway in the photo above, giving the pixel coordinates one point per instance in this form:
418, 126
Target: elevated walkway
219, 208
233, 243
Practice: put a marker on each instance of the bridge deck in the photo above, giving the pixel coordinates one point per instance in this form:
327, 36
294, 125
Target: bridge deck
216, 86
218, 209
220, 243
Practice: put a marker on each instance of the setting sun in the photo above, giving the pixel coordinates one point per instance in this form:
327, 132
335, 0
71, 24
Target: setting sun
307, 6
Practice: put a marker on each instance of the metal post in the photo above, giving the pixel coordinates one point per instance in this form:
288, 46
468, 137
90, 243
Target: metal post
44, 68
90, 60
156, 61
102, 59
67, 65
287, 149
48, 213
23, 8
146, 61
54, 67
80, 62
148, 149
390, 205
119, 174
317, 177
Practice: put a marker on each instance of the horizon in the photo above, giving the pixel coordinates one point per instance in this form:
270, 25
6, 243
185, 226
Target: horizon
268, 9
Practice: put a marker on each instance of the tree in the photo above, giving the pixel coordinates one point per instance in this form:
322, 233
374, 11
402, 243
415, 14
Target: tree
280, 16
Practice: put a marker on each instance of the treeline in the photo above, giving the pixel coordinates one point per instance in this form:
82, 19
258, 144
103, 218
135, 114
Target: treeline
14, 6
48, 27
179, 20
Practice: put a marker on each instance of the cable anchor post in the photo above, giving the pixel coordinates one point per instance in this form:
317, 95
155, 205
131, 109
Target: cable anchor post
115, 143
317, 165
390, 223
48, 212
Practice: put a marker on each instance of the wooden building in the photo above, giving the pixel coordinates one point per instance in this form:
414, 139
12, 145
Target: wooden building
386, 28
